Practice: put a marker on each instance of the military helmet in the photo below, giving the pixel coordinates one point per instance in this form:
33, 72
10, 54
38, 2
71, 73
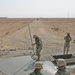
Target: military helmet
38, 65
61, 62
34, 36
68, 33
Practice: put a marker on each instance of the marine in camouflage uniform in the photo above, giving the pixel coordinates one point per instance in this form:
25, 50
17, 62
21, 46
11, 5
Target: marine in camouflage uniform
67, 43
36, 72
62, 71
38, 67
61, 68
38, 43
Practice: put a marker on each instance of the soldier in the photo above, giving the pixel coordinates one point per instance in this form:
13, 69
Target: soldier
61, 68
38, 43
38, 67
67, 43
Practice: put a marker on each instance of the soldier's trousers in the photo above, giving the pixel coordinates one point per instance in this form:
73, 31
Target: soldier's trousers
66, 47
38, 50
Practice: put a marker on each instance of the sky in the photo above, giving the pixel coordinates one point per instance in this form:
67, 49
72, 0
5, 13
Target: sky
37, 8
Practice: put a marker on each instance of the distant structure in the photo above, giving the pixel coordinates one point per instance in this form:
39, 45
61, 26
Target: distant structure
68, 15
3, 17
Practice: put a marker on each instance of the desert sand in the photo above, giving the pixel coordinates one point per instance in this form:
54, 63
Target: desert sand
15, 38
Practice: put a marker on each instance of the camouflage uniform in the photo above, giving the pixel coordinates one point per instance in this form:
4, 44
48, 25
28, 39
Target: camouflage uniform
38, 67
67, 43
62, 72
38, 43
61, 63
33, 73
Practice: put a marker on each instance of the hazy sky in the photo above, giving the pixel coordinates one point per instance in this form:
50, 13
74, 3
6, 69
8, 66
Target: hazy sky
37, 8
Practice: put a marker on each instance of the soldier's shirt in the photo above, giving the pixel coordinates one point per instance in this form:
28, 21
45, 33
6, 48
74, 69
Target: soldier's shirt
38, 43
63, 72
33, 73
67, 39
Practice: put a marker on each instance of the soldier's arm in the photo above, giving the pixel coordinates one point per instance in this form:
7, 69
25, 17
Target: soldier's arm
70, 38
35, 41
65, 38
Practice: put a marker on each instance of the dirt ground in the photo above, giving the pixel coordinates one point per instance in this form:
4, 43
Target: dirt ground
15, 38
